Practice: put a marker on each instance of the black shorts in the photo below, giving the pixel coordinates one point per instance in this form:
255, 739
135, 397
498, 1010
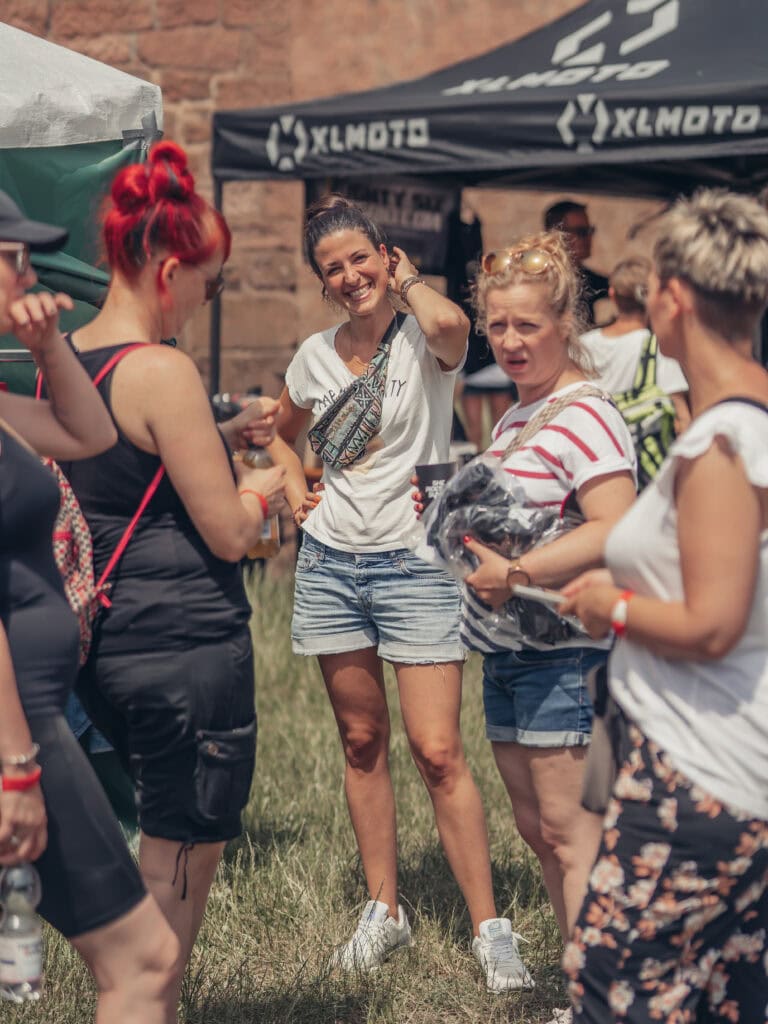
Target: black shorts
89, 878
184, 725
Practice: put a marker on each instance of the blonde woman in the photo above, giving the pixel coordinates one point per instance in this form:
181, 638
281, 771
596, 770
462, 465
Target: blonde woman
674, 923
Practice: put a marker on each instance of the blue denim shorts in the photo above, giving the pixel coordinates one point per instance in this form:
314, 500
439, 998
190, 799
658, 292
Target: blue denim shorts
391, 600
539, 698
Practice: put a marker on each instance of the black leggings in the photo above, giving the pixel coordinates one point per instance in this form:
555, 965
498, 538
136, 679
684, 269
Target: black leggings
89, 878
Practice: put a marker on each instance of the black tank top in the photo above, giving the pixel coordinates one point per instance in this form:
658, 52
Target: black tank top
42, 630
168, 591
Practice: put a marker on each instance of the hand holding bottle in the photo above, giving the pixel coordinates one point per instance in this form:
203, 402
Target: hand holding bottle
270, 483
23, 825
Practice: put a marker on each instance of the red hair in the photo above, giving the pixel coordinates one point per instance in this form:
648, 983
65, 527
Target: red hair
155, 206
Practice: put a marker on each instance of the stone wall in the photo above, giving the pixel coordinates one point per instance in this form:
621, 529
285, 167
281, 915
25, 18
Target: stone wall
218, 54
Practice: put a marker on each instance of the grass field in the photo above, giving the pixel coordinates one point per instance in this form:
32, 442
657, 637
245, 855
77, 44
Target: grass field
291, 888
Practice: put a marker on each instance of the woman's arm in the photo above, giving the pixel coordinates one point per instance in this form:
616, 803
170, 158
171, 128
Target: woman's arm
444, 324
160, 403
22, 812
291, 423
73, 423
720, 516
603, 501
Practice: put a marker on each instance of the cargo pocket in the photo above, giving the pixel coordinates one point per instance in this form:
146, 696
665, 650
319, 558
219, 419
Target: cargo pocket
224, 769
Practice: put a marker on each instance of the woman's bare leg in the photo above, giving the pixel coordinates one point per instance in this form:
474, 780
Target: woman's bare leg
135, 962
544, 785
355, 685
430, 700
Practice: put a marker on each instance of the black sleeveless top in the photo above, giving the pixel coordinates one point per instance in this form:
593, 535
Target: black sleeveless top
42, 631
169, 592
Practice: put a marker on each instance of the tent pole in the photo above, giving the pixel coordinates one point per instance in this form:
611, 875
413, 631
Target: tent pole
214, 371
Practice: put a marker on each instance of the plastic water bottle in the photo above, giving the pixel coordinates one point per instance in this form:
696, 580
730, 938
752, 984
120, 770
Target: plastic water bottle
268, 544
21, 935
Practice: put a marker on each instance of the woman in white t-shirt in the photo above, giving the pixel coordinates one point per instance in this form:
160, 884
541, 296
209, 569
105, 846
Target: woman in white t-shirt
537, 709
363, 598
674, 923
616, 348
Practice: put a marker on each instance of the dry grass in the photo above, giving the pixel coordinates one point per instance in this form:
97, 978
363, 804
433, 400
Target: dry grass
291, 888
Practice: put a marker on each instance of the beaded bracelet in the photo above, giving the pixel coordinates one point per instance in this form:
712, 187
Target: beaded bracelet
262, 500
17, 784
407, 284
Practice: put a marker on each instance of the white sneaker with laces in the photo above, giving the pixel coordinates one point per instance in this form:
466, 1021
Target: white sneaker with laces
377, 936
496, 951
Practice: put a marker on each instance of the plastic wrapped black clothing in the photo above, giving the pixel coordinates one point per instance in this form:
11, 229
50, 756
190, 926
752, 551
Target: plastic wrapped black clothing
482, 502
88, 876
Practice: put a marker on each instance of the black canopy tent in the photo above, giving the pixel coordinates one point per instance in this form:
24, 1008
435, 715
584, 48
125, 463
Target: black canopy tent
646, 98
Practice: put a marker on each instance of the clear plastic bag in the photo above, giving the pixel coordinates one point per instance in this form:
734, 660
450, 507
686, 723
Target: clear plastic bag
486, 503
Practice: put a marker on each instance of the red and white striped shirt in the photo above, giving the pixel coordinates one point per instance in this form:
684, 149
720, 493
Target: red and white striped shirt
585, 440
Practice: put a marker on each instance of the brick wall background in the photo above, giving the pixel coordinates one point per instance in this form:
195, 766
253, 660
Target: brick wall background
218, 54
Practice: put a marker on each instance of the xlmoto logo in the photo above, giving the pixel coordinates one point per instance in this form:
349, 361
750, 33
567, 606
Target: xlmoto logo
589, 121
289, 141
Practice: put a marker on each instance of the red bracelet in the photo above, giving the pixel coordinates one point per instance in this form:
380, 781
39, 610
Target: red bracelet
619, 612
19, 783
262, 500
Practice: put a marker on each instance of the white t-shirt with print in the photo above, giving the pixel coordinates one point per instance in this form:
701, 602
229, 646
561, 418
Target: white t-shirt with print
616, 362
710, 716
367, 506
586, 440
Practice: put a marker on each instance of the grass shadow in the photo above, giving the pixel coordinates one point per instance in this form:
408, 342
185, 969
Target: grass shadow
260, 841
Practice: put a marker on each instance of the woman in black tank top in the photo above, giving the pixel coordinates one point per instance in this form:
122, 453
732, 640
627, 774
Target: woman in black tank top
170, 677
52, 808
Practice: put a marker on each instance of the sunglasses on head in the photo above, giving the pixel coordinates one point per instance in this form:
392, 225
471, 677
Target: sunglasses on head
530, 261
17, 255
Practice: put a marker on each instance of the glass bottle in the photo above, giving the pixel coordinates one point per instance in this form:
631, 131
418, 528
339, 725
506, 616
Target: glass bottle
21, 935
268, 544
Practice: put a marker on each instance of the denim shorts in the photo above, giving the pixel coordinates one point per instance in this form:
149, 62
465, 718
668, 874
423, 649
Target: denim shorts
391, 600
539, 698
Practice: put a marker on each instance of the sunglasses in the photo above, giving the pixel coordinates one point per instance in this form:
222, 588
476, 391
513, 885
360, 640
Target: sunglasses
530, 261
580, 232
16, 254
213, 285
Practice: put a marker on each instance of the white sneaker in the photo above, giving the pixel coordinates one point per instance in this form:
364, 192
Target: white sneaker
496, 951
377, 936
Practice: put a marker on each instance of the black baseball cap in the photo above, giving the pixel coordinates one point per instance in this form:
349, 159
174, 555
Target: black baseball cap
15, 227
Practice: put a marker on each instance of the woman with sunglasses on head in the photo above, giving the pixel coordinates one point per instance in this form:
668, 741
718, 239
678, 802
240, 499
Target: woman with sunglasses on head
361, 597
169, 680
52, 808
538, 715
673, 926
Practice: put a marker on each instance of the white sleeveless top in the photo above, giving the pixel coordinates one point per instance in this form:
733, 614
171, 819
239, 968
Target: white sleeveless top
710, 716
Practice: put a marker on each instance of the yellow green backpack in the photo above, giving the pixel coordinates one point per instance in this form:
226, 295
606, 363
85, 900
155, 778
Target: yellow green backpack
649, 414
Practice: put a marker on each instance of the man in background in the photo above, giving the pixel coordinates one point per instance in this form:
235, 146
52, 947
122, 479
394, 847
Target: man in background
571, 218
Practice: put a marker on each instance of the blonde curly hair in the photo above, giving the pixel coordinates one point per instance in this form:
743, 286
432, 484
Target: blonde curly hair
561, 279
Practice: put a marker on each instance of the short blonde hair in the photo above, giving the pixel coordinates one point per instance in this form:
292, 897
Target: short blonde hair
717, 242
629, 281
561, 279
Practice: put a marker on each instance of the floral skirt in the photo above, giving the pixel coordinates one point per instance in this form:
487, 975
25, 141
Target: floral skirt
673, 927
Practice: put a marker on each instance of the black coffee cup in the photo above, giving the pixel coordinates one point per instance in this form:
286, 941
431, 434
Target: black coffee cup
432, 478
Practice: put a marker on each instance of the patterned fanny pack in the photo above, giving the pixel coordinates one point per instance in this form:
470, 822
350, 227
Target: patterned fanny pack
341, 435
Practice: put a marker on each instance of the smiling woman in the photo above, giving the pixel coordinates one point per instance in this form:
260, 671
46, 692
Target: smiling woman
377, 391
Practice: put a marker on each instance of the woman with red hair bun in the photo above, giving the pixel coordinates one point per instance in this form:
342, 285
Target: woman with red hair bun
170, 677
